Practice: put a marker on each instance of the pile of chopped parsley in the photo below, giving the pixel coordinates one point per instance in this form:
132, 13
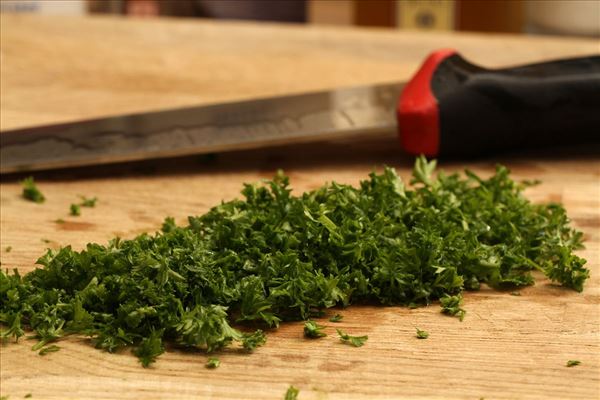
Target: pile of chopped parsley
275, 257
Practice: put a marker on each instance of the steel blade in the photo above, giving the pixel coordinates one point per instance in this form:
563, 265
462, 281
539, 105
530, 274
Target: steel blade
203, 129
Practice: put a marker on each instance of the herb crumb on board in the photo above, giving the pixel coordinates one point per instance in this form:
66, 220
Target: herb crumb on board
313, 330
291, 393
213, 362
422, 334
336, 318
31, 191
356, 341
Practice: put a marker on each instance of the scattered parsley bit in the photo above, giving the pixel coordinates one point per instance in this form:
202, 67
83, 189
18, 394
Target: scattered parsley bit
451, 306
313, 330
291, 393
49, 349
75, 209
515, 293
150, 348
88, 202
59, 221
355, 341
8, 249
213, 362
572, 363
273, 256
31, 192
44, 240
27, 396
336, 318
422, 334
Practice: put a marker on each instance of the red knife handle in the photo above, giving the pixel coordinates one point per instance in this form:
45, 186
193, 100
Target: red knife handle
454, 108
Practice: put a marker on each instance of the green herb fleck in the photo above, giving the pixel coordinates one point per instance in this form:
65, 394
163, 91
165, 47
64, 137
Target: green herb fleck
336, 318
572, 363
49, 349
88, 202
451, 306
75, 209
44, 240
8, 249
27, 396
272, 256
422, 334
355, 341
150, 348
31, 192
313, 330
291, 393
213, 362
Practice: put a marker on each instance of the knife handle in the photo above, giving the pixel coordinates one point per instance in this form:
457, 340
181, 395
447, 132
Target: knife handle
454, 108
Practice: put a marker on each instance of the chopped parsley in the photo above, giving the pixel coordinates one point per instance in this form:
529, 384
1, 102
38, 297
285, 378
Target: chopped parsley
336, 318
27, 396
49, 349
273, 256
572, 363
313, 330
291, 393
356, 341
422, 334
88, 202
31, 192
451, 306
213, 362
8, 249
75, 209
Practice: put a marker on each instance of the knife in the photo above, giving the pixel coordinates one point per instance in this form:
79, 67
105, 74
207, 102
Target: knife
449, 108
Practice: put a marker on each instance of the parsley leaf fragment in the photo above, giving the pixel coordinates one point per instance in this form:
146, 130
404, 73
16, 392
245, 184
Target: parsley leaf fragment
313, 330
88, 202
356, 341
291, 393
422, 334
49, 349
150, 348
213, 362
572, 363
336, 318
31, 191
451, 306
75, 209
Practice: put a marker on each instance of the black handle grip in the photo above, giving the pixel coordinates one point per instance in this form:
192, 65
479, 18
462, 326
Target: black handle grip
454, 108
482, 110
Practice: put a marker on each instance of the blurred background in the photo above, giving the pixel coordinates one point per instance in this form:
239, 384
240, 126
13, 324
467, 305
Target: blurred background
552, 17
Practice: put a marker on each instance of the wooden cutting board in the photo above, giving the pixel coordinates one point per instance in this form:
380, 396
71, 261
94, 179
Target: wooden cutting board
61, 69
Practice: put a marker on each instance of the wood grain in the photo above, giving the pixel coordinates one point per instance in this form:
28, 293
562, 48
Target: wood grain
508, 347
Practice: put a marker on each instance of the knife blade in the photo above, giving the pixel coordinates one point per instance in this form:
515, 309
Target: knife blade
203, 129
450, 107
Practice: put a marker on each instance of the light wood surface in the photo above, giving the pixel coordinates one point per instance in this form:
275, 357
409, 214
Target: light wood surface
60, 69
